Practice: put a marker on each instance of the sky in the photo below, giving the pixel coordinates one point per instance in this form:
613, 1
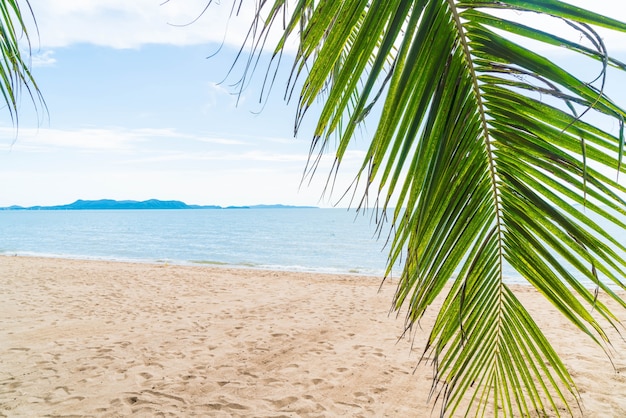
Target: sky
140, 106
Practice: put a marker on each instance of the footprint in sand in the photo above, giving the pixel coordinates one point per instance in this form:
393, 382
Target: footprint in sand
228, 405
362, 396
281, 403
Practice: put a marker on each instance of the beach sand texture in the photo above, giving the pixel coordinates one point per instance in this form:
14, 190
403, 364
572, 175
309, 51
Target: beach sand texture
108, 339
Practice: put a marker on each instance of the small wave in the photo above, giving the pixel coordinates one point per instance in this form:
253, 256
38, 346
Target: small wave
209, 262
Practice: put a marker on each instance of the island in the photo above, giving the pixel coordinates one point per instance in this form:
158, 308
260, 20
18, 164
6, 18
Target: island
110, 204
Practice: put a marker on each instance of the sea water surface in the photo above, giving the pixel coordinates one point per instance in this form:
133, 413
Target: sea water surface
298, 239
294, 239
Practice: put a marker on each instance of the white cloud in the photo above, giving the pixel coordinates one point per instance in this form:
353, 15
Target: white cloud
97, 139
43, 59
81, 139
221, 156
130, 24
217, 94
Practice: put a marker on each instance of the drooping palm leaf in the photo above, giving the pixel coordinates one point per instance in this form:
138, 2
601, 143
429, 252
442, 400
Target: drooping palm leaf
15, 71
482, 146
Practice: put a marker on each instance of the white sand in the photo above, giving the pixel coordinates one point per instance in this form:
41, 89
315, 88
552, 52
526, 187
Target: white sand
91, 338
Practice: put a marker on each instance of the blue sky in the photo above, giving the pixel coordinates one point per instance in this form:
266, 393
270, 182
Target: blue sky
137, 111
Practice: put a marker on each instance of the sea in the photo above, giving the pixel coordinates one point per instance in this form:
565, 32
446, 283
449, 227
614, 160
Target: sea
338, 241
294, 239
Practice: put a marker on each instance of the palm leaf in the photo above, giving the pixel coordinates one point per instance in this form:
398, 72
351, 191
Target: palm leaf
15, 71
482, 145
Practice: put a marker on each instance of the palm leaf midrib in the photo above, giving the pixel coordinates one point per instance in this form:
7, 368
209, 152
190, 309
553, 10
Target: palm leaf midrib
482, 111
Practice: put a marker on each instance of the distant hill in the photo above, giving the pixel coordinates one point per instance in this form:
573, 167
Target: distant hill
109, 204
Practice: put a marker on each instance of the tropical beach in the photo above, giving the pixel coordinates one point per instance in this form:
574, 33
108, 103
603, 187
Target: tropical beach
109, 339
486, 137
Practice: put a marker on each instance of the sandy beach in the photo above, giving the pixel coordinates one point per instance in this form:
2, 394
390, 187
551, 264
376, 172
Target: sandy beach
109, 339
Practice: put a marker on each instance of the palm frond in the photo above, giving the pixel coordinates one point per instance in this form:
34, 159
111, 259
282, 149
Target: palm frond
482, 146
15, 71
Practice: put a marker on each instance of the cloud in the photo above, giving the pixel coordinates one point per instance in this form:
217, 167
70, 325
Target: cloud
43, 59
95, 139
131, 24
163, 148
218, 94
221, 156
100, 139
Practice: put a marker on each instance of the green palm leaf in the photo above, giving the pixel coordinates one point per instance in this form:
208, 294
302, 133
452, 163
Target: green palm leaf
15, 71
482, 146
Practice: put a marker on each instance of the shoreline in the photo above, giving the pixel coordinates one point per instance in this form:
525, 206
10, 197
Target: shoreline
509, 280
101, 338
197, 263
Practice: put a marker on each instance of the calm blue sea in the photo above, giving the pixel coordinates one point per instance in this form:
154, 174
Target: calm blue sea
316, 240
319, 240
